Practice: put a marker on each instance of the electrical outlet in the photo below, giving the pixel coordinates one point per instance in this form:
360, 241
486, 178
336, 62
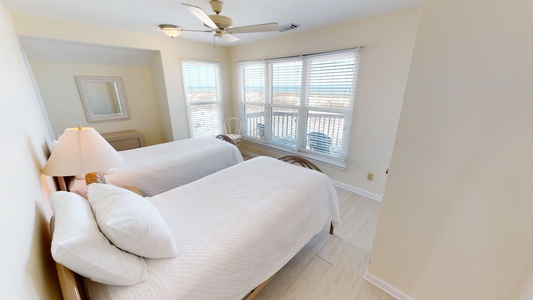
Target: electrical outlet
370, 177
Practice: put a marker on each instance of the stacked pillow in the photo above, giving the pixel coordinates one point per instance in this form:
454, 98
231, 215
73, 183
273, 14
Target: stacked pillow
106, 238
131, 222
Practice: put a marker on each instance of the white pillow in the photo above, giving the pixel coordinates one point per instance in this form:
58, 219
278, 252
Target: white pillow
79, 245
131, 222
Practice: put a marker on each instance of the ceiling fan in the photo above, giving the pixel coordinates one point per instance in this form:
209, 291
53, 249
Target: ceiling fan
222, 26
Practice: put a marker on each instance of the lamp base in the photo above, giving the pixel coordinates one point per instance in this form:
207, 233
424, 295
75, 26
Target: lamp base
61, 183
94, 177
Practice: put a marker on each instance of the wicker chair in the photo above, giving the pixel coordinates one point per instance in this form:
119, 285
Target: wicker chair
232, 128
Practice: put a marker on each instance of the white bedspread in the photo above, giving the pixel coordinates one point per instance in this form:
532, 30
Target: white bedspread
234, 230
159, 168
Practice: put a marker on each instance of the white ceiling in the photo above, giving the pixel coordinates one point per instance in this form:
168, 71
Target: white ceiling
146, 15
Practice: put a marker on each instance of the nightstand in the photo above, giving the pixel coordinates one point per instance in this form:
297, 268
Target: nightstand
125, 140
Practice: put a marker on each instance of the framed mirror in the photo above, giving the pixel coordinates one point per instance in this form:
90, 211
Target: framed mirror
103, 98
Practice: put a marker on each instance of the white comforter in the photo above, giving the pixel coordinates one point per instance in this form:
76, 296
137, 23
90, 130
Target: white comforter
159, 168
234, 230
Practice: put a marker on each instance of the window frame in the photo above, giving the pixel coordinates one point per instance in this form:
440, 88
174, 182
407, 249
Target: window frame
219, 102
303, 108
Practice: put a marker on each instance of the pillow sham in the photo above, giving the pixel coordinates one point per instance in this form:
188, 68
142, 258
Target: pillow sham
131, 222
78, 244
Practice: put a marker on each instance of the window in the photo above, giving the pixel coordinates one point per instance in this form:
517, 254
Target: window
301, 104
201, 82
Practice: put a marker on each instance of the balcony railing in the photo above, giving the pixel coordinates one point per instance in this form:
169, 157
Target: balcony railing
326, 129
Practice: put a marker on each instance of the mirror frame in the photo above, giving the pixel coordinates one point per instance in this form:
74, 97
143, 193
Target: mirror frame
87, 104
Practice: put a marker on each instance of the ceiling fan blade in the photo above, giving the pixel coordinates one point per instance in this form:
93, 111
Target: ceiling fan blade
193, 30
254, 28
229, 38
200, 14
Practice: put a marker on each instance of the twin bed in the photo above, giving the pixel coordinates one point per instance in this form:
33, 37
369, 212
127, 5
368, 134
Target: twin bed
162, 167
234, 229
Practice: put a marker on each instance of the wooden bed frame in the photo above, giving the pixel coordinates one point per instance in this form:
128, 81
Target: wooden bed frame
71, 283
225, 138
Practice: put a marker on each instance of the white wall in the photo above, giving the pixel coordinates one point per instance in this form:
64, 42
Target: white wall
388, 42
26, 268
456, 220
169, 93
58, 88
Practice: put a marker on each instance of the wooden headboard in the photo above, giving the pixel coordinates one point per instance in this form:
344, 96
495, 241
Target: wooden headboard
71, 283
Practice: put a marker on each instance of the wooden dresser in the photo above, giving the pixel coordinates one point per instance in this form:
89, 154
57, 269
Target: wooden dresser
125, 140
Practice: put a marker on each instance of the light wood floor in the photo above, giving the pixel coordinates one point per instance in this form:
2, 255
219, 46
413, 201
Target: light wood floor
332, 266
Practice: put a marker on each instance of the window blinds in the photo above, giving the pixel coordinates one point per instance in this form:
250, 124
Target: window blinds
302, 103
331, 82
201, 83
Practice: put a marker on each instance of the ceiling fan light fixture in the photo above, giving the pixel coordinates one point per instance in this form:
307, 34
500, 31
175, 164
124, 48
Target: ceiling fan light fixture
171, 30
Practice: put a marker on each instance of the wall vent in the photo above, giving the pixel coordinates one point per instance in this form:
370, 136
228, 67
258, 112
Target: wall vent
288, 27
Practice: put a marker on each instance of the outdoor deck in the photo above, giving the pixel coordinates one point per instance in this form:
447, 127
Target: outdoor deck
324, 130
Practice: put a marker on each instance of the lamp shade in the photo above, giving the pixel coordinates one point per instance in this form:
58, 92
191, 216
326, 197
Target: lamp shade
79, 151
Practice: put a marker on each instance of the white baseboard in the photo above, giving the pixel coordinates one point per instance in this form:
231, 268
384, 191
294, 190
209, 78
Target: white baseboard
356, 190
345, 186
387, 288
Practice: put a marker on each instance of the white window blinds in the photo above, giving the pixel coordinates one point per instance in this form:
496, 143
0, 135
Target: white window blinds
201, 83
303, 104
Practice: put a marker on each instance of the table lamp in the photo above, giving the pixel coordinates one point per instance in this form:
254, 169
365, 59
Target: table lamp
82, 150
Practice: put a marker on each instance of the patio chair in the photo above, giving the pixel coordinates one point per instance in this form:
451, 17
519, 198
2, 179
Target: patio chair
319, 142
261, 130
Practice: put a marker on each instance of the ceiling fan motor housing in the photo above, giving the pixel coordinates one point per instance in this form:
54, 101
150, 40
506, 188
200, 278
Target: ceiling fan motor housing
221, 21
